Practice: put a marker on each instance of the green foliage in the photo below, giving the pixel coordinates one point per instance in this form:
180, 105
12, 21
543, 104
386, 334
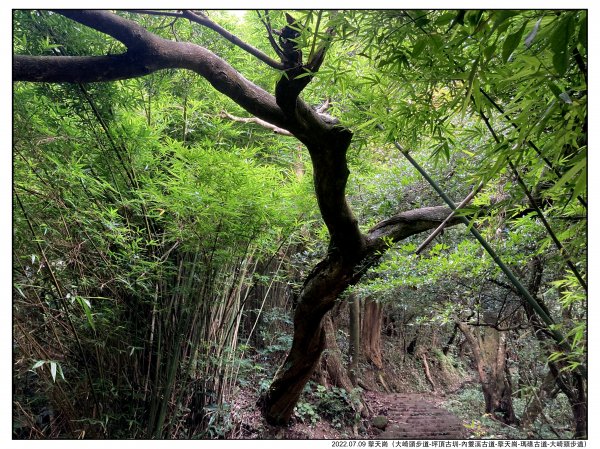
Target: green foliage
333, 404
338, 405
146, 226
307, 413
149, 212
467, 405
450, 364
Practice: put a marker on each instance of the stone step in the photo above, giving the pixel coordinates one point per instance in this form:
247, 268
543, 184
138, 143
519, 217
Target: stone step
412, 417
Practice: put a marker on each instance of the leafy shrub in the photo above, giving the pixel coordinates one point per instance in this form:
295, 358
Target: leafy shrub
337, 405
307, 413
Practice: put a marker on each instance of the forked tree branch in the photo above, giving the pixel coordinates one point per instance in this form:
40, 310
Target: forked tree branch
202, 19
327, 142
276, 129
441, 227
267, 23
146, 54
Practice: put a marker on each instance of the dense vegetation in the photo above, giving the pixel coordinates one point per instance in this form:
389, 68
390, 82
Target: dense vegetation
199, 216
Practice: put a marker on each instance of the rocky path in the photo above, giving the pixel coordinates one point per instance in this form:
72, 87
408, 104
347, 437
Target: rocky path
404, 416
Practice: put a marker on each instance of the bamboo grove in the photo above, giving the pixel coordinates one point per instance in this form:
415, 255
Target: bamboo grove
202, 203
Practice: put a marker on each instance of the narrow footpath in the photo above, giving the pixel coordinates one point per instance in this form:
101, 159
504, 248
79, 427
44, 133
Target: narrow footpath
405, 416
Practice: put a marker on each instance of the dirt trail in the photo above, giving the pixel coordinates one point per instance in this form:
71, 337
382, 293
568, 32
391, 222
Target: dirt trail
413, 417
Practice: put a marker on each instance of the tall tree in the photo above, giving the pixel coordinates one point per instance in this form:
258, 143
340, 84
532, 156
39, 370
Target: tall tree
522, 74
350, 250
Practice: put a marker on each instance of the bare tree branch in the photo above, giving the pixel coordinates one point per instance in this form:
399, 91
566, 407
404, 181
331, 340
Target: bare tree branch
405, 224
441, 227
323, 108
267, 23
275, 129
497, 326
155, 12
202, 19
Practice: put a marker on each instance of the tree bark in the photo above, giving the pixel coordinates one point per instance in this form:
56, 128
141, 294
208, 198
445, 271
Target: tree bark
331, 360
371, 332
490, 359
448, 344
318, 296
427, 372
354, 331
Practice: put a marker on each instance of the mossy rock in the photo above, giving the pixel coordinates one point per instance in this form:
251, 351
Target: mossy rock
380, 422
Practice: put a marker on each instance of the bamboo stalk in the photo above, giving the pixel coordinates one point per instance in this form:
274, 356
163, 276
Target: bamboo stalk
62, 301
540, 214
441, 227
556, 335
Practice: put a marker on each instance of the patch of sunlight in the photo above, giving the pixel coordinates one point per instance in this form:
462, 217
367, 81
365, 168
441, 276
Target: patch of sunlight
239, 13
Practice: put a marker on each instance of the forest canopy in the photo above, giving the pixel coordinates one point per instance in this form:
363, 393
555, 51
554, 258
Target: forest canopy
208, 207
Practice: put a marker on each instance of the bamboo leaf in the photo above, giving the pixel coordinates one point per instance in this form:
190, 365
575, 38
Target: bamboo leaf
580, 185
531, 36
53, 370
472, 74
304, 75
37, 364
60, 371
85, 305
419, 46
367, 123
488, 51
502, 15
555, 89
445, 18
570, 174
564, 96
512, 42
559, 43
